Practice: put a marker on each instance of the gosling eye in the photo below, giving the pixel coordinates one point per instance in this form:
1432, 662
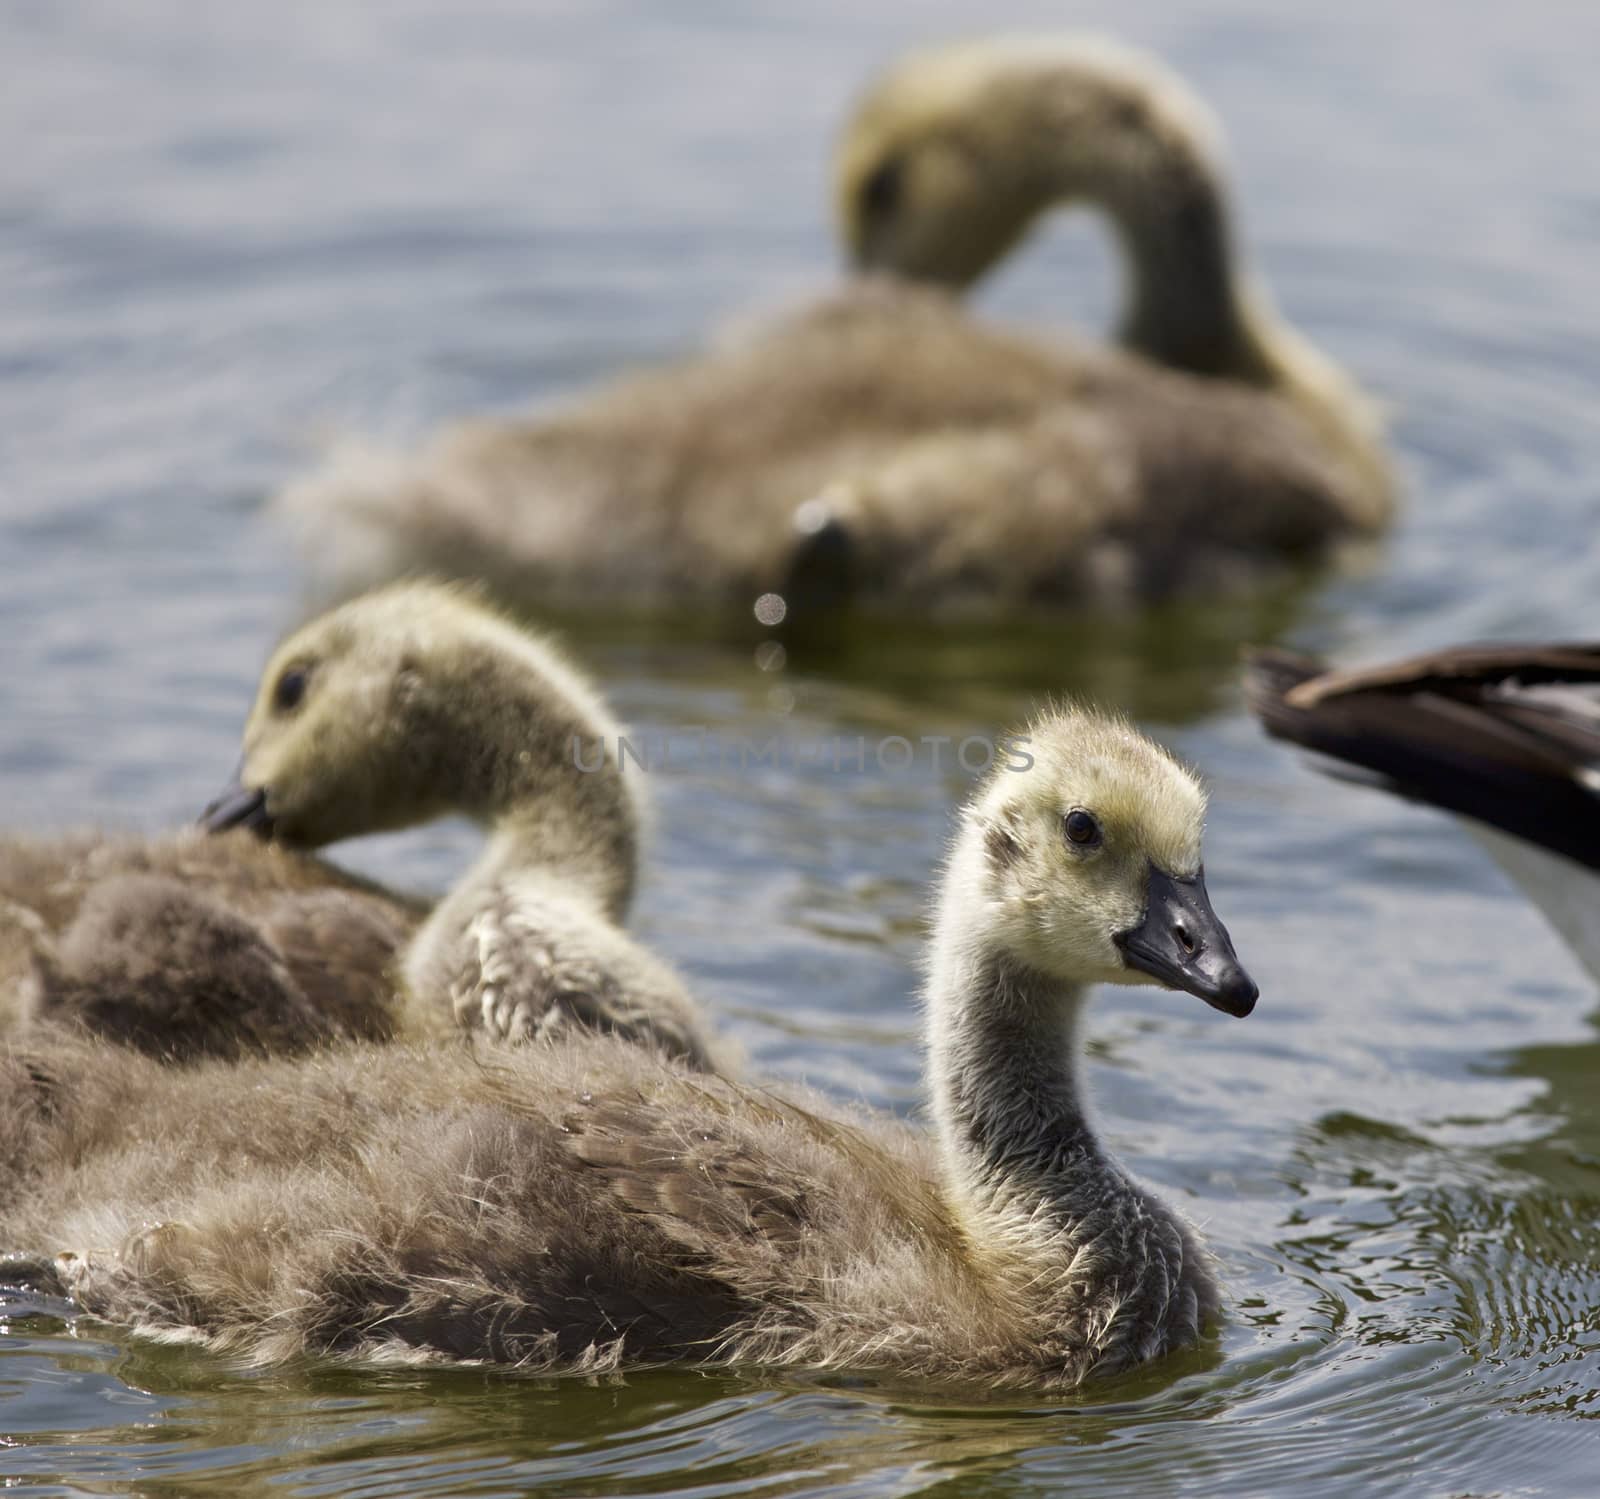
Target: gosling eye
290, 689
880, 193
1082, 829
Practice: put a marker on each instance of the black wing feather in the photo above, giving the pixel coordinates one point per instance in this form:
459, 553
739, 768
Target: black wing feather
1492, 732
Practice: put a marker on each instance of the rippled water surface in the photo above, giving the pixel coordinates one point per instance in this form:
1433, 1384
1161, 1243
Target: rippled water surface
227, 231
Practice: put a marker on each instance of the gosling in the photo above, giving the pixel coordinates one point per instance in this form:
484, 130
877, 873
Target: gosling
883, 446
600, 1208
392, 710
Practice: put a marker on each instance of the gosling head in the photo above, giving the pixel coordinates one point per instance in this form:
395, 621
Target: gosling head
396, 708
1090, 863
952, 154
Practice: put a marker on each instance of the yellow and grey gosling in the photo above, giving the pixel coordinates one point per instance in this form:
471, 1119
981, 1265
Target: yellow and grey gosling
597, 1206
954, 154
882, 444
394, 709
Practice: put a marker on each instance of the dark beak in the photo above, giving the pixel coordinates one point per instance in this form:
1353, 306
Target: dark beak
1181, 942
239, 806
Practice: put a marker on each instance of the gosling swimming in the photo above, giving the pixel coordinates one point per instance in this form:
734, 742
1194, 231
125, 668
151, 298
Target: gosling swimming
885, 446
389, 711
598, 1207
1507, 736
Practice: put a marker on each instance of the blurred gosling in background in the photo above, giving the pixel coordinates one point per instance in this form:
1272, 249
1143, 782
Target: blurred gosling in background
395, 709
884, 446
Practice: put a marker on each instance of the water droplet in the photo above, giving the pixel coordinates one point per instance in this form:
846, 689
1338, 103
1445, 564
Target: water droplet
811, 516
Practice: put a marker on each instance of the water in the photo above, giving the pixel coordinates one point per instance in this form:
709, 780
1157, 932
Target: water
228, 230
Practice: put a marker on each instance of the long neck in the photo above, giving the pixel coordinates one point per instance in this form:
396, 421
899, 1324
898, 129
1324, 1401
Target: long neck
1136, 149
543, 777
1114, 1274
1135, 145
1007, 1095
582, 841
1188, 304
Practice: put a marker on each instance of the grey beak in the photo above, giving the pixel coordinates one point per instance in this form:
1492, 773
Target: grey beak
1180, 941
239, 806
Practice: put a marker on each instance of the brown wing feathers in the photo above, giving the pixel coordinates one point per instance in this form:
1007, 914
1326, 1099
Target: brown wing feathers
1473, 730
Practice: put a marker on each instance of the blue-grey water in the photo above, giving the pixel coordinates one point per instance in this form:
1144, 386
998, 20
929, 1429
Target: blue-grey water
230, 230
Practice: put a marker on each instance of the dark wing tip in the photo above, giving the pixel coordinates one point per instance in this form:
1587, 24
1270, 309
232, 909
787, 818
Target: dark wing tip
1271, 676
1454, 729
